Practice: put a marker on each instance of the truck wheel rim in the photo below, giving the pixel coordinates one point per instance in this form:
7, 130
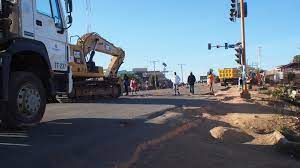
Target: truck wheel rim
28, 101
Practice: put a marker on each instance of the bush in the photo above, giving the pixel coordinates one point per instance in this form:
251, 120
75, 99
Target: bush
280, 92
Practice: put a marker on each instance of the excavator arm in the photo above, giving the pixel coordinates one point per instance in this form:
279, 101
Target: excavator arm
93, 42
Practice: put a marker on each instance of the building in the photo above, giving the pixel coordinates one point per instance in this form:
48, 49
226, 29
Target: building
280, 74
137, 70
291, 69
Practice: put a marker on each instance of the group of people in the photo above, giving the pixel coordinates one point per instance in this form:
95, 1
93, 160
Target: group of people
132, 83
191, 82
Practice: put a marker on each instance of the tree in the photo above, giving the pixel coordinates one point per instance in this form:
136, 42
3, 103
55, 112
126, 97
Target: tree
296, 59
291, 76
152, 80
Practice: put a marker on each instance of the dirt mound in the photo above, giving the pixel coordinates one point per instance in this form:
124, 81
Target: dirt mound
230, 135
268, 139
235, 135
258, 123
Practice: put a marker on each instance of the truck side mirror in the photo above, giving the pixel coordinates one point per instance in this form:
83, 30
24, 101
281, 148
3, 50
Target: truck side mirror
69, 6
69, 19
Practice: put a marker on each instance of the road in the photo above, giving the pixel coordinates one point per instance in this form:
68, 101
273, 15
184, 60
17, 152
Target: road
115, 133
99, 134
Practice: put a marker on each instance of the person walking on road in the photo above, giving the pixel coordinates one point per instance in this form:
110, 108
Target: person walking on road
176, 82
133, 86
211, 79
126, 84
191, 82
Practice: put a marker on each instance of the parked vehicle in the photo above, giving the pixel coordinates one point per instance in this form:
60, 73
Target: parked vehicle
229, 76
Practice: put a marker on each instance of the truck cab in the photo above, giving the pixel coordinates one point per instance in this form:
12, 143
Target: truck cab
33, 58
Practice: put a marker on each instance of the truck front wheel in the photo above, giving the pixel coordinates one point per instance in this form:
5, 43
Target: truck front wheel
26, 100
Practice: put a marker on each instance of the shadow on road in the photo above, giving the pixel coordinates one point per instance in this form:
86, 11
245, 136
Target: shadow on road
216, 105
75, 143
157, 101
226, 89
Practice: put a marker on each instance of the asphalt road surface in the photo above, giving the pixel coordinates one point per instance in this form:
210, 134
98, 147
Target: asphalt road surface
100, 134
113, 134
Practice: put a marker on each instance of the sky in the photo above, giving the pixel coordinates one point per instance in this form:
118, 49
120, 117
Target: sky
177, 32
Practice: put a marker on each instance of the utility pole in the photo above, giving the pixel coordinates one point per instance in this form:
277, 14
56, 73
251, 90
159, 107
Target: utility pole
245, 93
154, 67
181, 67
259, 58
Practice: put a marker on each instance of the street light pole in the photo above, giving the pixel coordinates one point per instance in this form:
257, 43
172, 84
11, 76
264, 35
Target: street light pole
181, 66
154, 66
245, 93
259, 58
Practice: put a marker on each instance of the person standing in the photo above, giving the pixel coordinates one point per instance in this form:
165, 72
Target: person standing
241, 83
146, 85
126, 84
191, 82
211, 78
133, 86
176, 82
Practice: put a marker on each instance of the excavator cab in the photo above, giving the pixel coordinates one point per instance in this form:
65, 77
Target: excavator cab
91, 65
82, 68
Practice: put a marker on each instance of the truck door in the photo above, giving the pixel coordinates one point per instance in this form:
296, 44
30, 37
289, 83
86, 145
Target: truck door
48, 27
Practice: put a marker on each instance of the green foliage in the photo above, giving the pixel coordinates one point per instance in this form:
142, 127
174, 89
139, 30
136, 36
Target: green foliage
284, 93
210, 71
280, 92
265, 90
296, 59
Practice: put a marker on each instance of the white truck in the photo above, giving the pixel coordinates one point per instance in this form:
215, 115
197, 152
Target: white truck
34, 58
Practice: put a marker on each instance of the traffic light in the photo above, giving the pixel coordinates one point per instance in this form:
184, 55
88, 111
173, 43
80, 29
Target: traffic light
239, 53
226, 46
239, 13
209, 46
233, 10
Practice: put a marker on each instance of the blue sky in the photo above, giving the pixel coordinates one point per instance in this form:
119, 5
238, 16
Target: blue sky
176, 32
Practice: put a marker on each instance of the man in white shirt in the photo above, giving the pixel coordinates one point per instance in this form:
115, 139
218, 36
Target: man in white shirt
176, 82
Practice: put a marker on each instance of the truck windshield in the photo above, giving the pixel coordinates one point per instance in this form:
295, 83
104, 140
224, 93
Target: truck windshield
44, 7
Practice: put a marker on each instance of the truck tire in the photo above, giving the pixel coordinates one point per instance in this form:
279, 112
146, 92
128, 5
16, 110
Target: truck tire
26, 101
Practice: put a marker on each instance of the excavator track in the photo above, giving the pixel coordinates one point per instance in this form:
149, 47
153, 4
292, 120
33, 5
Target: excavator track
91, 91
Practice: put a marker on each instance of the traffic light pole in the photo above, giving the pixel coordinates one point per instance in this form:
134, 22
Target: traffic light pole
245, 93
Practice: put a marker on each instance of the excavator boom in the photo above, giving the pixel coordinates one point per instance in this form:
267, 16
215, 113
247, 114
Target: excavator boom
92, 42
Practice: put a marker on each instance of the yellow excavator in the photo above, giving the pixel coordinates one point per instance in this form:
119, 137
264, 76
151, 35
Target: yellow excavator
90, 80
